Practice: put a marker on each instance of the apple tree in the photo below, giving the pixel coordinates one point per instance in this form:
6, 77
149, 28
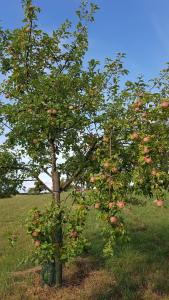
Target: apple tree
134, 154
55, 103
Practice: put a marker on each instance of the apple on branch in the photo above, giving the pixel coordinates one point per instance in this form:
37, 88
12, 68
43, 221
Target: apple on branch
148, 159
35, 233
37, 243
138, 103
147, 139
114, 220
134, 136
97, 205
121, 204
114, 169
73, 234
106, 164
93, 179
154, 172
146, 150
111, 205
159, 202
165, 104
52, 111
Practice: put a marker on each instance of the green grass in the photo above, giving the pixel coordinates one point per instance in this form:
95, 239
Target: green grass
139, 270
13, 212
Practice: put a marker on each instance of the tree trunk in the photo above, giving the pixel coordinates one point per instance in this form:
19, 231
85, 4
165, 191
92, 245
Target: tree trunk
56, 195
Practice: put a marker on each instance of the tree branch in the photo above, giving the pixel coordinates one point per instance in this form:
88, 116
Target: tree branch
47, 173
46, 187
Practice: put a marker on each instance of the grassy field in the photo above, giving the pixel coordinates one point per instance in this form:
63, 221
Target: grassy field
139, 270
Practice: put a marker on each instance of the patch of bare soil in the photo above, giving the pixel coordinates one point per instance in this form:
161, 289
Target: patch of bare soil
82, 280
26, 272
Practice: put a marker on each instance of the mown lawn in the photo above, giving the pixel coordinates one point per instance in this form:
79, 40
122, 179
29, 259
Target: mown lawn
139, 269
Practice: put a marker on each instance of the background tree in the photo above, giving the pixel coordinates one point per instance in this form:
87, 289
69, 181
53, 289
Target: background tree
38, 188
11, 178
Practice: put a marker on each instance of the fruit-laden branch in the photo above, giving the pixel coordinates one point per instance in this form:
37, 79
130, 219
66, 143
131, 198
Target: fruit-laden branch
80, 169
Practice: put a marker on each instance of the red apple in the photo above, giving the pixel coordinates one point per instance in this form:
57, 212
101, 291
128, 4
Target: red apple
165, 104
111, 204
121, 204
146, 150
114, 220
106, 164
154, 172
148, 159
35, 233
37, 243
134, 136
114, 169
147, 139
159, 202
97, 205
138, 103
92, 179
52, 111
73, 234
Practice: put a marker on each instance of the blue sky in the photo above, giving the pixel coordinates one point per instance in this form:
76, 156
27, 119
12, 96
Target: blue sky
140, 28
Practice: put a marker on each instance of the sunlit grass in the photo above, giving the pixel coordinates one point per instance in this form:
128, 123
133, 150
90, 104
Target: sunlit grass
139, 269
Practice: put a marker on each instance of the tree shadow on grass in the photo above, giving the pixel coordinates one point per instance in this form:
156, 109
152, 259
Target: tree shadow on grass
77, 272
151, 247
140, 267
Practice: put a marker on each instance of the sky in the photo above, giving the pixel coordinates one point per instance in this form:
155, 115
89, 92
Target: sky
139, 28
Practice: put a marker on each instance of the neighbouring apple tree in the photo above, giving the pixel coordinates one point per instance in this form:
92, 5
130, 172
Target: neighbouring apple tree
134, 153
